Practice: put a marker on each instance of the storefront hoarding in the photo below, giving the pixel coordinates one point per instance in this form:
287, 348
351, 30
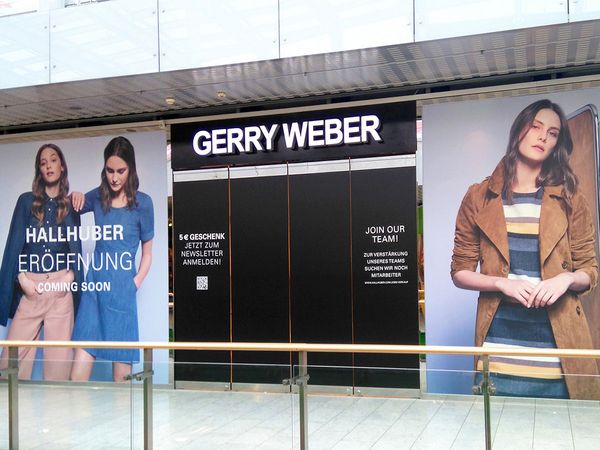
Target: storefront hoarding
463, 145
90, 259
313, 241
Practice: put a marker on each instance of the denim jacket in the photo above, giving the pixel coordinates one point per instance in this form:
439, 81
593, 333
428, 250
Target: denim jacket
10, 290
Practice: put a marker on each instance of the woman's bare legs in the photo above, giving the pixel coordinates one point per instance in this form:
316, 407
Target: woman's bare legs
84, 362
120, 371
82, 365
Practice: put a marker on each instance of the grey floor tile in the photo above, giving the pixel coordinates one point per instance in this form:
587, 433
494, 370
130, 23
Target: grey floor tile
341, 423
516, 443
542, 444
349, 445
400, 443
325, 439
366, 433
254, 436
586, 443
586, 430
475, 443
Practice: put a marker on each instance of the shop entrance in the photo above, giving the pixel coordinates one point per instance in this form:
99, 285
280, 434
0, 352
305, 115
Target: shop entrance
308, 252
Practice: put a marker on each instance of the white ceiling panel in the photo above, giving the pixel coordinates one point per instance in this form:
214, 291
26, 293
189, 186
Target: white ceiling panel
437, 19
548, 48
101, 40
317, 26
239, 31
24, 50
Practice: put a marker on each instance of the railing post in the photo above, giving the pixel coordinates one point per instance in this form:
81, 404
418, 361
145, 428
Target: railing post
146, 376
302, 400
148, 417
13, 398
486, 388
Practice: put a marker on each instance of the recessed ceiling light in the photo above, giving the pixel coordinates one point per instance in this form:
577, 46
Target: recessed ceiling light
221, 94
170, 100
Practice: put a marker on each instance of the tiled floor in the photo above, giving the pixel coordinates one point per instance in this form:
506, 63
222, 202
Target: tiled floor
83, 417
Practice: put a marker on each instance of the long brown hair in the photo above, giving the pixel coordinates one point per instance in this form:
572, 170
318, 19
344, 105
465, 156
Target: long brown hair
38, 187
555, 169
121, 147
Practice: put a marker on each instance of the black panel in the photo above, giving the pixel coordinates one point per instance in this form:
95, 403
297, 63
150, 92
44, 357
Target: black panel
320, 268
201, 246
385, 273
397, 132
260, 289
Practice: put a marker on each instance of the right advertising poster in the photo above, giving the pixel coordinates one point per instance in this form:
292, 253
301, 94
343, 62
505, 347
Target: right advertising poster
510, 196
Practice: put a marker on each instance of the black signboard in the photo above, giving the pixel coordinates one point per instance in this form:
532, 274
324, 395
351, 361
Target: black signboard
373, 130
201, 282
320, 270
384, 266
259, 276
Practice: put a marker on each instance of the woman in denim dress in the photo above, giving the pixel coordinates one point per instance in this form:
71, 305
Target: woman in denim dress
108, 312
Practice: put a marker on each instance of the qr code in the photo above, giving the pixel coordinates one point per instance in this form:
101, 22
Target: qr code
202, 283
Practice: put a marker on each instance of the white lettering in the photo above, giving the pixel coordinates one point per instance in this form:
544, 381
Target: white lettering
72, 233
219, 142
315, 135
252, 136
351, 131
69, 234
29, 234
294, 136
47, 263
234, 138
333, 132
23, 263
117, 232
202, 148
42, 236
369, 125
301, 134
269, 134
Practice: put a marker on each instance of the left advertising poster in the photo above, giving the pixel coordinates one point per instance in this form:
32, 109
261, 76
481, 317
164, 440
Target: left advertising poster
97, 274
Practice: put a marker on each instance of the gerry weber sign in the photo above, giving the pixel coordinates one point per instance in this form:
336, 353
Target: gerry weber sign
307, 136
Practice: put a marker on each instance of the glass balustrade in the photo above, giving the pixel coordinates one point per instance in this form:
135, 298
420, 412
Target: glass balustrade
278, 406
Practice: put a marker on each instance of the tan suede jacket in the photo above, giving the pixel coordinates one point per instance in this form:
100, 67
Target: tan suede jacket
567, 243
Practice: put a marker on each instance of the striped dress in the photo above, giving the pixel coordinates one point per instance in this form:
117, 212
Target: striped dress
515, 326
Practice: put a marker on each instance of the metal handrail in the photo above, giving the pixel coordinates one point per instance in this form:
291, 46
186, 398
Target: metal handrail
322, 348
302, 349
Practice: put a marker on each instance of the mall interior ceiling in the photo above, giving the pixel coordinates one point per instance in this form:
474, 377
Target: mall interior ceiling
440, 67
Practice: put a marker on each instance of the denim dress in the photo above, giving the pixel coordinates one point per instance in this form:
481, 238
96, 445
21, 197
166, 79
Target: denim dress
108, 308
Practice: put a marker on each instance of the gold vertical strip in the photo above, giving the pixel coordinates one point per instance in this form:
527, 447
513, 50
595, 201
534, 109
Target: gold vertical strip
230, 274
172, 260
351, 270
289, 257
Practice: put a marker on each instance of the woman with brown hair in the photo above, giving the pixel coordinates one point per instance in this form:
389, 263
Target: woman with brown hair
111, 314
35, 277
531, 234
